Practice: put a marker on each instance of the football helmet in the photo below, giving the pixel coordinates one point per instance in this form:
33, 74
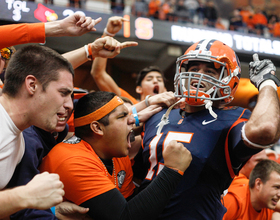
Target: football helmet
223, 88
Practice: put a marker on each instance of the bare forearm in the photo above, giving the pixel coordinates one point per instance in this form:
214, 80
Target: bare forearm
11, 201
263, 125
102, 79
76, 57
53, 29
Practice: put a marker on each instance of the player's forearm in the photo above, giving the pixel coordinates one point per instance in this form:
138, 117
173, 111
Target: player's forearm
263, 127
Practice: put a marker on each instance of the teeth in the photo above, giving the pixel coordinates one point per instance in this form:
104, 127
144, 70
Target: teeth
62, 119
195, 85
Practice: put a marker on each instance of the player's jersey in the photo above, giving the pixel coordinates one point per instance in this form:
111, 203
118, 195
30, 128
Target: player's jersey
198, 194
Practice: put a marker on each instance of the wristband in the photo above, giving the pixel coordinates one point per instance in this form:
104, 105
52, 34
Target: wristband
88, 51
107, 33
135, 115
53, 210
268, 82
147, 100
178, 171
251, 143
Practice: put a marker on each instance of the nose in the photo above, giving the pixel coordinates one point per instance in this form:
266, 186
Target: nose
68, 104
278, 193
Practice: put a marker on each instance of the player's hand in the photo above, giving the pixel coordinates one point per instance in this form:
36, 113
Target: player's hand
71, 211
175, 155
43, 191
114, 24
261, 70
108, 47
78, 24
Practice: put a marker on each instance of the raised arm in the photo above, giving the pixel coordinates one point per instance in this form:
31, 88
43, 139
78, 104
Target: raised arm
263, 127
73, 25
76, 24
98, 70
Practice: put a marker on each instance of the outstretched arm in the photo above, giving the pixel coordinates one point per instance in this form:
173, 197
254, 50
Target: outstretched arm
107, 47
263, 127
98, 70
73, 25
76, 24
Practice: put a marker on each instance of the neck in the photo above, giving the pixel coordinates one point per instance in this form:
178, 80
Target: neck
254, 201
97, 145
17, 110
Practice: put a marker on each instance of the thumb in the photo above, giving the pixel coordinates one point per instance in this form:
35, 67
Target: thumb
82, 210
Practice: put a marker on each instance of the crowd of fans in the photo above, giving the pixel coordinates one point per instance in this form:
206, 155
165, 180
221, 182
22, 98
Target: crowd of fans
246, 19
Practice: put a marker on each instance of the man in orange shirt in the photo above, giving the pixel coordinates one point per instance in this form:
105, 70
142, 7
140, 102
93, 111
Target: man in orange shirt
256, 198
95, 168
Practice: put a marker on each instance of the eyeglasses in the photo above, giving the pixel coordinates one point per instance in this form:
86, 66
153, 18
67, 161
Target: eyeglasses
6, 53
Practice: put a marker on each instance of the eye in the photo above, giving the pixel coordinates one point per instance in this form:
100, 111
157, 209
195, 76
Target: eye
194, 69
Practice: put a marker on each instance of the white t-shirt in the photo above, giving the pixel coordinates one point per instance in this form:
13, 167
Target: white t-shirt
11, 147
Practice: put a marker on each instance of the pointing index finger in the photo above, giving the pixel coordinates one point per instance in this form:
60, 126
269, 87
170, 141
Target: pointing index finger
128, 44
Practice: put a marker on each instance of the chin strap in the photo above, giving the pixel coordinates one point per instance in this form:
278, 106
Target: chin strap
164, 119
208, 106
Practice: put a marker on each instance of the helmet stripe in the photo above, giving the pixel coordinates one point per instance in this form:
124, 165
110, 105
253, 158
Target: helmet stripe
205, 44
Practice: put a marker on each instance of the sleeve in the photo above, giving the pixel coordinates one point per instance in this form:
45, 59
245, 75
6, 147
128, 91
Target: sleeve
232, 206
236, 151
15, 34
148, 204
33, 214
125, 94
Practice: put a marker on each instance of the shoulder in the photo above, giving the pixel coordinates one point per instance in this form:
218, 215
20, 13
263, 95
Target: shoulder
234, 112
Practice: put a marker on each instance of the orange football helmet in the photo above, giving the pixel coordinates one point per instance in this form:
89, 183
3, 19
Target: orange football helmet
223, 88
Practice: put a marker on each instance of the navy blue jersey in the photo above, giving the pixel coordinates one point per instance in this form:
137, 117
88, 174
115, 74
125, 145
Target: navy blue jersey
37, 145
209, 140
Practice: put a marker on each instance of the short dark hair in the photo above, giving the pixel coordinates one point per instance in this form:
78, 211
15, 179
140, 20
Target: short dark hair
141, 75
39, 61
262, 170
88, 104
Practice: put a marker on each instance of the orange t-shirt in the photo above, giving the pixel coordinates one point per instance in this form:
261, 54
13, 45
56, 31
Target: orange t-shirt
82, 172
238, 203
15, 34
259, 19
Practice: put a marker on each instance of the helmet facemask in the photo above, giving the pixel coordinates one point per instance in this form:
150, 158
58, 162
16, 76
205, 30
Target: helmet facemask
187, 84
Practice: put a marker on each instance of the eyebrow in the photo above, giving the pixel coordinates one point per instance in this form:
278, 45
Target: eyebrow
66, 90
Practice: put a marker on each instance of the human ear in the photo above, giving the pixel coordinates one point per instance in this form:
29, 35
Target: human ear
96, 127
139, 89
31, 84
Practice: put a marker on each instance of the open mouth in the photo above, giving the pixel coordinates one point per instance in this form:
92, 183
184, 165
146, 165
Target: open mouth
156, 90
196, 84
130, 137
61, 118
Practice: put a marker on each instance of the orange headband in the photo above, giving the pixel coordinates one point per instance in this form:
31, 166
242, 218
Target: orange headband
99, 113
